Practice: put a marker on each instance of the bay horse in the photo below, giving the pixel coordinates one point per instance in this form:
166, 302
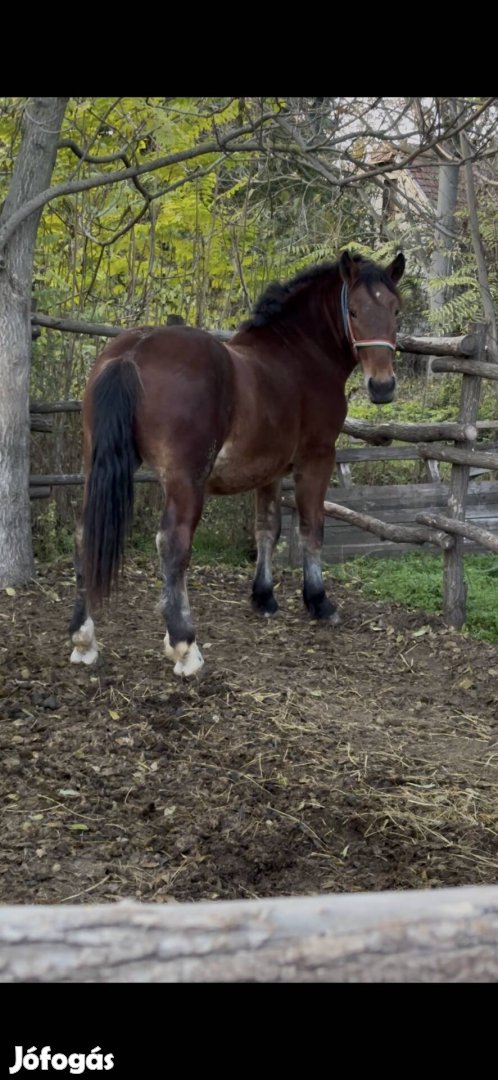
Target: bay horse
215, 418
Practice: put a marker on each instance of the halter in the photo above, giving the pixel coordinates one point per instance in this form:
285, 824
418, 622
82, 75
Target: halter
349, 331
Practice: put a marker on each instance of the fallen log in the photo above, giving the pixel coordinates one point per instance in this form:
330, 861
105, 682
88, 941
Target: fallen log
446, 935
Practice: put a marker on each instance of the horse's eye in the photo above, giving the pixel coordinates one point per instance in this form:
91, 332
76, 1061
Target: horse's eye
352, 313
397, 312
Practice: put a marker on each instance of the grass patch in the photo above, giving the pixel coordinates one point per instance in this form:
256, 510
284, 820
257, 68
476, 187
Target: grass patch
416, 581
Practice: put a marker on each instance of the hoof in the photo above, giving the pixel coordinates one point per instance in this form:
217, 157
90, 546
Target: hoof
89, 656
188, 659
264, 605
85, 645
322, 609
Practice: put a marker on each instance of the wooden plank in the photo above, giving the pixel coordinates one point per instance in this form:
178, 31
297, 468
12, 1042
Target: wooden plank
487, 425
344, 475
295, 550
433, 473
419, 936
342, 541
414, 534
376, 549
386, 549
54, 406
397, 496
350, 454
75, 479
40, 423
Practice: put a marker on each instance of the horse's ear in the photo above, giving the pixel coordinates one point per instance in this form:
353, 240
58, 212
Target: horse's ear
347, 267
396, 269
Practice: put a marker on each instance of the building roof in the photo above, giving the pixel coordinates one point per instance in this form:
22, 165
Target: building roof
424, 172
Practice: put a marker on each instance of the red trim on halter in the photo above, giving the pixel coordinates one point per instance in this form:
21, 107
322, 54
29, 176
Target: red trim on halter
347, 325
368, 341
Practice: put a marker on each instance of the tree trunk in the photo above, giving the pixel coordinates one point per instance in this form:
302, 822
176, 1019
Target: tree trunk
444, 244
32, 172
477, 244
422, 936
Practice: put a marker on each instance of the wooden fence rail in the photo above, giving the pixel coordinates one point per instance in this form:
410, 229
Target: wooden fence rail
430, 346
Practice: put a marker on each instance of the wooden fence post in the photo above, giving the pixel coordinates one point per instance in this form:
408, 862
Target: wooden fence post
454, 586
294, 540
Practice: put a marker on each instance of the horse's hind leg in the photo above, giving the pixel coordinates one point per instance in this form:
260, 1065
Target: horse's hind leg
81, 627
312, 478
268, 524
184, 501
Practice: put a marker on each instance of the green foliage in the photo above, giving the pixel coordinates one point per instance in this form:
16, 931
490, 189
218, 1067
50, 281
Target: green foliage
415, 581
52, 539
463, 296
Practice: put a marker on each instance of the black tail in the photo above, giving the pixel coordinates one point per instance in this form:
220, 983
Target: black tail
108, 509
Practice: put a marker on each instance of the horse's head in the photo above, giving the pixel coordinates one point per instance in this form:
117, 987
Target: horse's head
370, 304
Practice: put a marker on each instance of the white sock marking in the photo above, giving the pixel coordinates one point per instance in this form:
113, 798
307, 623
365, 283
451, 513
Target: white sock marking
187, 658
85, 644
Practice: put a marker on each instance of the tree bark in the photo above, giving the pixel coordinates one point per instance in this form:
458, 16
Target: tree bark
477, 244
454, 584
444, 241
460, 528
465, 367
423, 936
381, 434
483, 459
32, 172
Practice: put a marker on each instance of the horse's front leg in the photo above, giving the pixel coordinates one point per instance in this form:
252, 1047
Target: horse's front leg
312, 478
268, 524
184, 501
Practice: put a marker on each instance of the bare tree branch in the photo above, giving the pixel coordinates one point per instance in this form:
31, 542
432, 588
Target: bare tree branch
223, 142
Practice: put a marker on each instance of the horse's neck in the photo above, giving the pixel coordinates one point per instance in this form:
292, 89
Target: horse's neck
320, 359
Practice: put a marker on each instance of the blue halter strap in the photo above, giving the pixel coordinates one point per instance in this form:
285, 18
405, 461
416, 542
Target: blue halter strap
349, 331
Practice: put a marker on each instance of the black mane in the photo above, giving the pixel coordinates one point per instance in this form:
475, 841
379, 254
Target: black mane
273, 302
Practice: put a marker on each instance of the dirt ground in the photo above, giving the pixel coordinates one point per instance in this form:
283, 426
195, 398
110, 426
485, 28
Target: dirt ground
303, 759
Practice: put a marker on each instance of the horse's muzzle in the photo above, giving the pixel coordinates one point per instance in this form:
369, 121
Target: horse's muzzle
381, 392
